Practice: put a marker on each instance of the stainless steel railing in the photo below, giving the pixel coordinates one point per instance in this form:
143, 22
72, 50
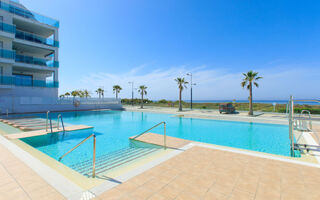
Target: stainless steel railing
164, 133
47, 121
94, 152
62, 124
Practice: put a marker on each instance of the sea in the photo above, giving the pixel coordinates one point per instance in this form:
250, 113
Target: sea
254, 101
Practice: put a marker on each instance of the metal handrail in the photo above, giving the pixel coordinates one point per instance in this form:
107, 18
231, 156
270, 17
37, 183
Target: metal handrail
47, 121
62, 124
164, 133
94, 152
51, 125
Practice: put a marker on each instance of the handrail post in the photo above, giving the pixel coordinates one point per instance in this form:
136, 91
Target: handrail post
164, 136
58, 122
47, 121
291, 116
94, 157
62, 124
51, 125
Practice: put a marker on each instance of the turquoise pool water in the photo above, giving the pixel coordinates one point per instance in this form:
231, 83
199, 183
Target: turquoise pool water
113, 128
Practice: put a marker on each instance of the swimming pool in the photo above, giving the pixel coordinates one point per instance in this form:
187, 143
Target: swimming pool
113, 128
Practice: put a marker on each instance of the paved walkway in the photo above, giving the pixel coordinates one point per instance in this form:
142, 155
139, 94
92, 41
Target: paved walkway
18, 181
202, 173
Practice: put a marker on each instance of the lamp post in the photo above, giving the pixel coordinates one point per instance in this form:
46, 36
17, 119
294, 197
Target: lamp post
190, 74
131, 82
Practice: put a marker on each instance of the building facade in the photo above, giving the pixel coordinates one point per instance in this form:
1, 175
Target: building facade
29, 55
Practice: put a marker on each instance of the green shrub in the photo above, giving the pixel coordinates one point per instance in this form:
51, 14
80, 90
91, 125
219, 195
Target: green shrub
163, 101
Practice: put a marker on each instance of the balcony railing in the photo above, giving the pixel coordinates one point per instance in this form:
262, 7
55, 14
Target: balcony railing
7, 28
36, 61
8, 54
35, 38
18, 81
28, 14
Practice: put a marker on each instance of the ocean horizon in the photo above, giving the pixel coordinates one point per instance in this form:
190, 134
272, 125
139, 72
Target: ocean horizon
246, 101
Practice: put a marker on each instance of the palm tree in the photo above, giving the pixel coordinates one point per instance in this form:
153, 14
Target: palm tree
181, 85
75, 93
116, 89
67, 94
81, 93
100, 92
86, 93
250, 78
143, 91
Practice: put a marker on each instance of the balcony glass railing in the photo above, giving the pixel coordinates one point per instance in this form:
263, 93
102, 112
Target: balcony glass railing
28, 14
36, 61
7, 28
35, 38
18, 81
4, 53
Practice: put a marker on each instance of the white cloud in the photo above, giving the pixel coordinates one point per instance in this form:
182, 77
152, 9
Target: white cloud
278, 83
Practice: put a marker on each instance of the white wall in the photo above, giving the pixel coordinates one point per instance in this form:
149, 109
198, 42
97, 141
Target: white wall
40, 104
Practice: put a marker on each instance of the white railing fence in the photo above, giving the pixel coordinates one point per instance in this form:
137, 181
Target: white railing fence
71, 100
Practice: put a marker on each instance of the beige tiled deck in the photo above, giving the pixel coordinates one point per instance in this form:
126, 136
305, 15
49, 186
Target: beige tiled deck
18, 181
202, 173
316, 132
158, 139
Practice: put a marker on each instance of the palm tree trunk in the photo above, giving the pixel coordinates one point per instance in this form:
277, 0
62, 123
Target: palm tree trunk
180, 105
116, 95
142, 100
250, 100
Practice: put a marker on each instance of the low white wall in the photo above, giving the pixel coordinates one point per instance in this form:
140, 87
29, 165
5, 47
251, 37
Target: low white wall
29, 105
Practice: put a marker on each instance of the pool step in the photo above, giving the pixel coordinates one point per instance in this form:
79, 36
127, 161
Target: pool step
28, 123
112, 160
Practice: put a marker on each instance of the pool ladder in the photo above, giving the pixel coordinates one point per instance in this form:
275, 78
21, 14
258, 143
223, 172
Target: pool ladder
94, 152
62, 124
164, 133
50, 120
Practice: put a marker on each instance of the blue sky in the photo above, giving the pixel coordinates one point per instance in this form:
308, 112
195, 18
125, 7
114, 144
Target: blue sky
107, 42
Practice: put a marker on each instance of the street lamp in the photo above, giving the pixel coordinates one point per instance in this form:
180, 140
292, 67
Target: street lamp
190, 74
131, 82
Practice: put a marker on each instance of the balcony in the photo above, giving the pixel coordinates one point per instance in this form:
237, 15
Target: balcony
7, 28
35, 38
28, 14
8, 54
36, 61
26, 82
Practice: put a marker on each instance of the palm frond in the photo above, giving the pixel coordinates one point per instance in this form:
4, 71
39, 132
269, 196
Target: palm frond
244, 83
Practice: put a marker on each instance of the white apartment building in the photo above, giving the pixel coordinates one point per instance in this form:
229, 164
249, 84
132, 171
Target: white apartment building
29, 64
29, 55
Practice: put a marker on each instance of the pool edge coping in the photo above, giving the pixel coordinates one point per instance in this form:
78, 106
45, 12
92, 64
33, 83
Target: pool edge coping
64, 186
